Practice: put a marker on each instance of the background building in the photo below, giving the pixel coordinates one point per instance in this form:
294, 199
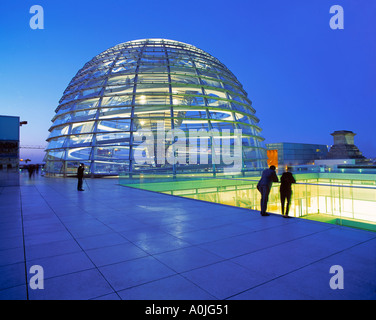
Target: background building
342, 154
9, 150
344, 147
136, 86
285, 154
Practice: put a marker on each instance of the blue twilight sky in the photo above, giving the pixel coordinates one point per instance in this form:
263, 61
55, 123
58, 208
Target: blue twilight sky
305, 79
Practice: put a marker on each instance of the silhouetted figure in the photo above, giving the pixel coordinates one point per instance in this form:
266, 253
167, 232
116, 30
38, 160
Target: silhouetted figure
264, 186
80, 176
30, 168
287, 180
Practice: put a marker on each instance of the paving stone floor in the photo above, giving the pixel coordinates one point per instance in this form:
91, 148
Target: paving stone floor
115, 242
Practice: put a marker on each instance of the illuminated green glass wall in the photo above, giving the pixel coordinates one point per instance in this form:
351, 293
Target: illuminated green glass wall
334, 198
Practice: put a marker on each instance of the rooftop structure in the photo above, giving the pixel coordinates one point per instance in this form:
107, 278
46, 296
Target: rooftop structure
344, 147
130, 91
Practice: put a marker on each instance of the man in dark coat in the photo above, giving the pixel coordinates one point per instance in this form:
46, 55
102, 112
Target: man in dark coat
285, 191
264, 186
80, 176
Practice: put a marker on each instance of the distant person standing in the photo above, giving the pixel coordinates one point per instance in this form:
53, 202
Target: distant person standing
80, 176
30, 168
285, 190
264, 186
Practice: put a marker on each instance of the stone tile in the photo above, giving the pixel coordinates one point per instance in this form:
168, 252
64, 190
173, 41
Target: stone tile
47, 237
186, 259
135, 272
114, 254
82, 285
61, 264
171, 288
14, 293
101, 240
51, 249
12, 275
224, 279
161, 243
11, 256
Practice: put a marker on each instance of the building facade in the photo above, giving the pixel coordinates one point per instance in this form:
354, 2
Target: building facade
293, 154
9, 150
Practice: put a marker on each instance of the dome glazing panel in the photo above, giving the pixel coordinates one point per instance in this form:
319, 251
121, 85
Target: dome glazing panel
145, 85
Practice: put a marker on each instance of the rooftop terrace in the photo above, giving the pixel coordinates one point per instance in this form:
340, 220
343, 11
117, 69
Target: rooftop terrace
116, 242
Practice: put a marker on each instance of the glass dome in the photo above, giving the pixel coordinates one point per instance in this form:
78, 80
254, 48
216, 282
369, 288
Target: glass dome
145, 86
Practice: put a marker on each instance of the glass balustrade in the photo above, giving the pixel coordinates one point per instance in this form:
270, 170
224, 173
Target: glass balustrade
332, 199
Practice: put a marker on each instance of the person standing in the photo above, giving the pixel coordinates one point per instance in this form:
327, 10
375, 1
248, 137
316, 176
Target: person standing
30, 168
285, 191
264, 186
80, 176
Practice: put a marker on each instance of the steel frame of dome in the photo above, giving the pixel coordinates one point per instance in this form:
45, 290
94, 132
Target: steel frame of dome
139, 85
